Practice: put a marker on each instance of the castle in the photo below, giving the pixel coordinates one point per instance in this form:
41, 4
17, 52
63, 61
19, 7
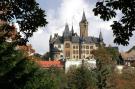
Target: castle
72, 46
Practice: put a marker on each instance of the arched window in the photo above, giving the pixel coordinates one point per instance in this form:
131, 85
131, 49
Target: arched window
67, 45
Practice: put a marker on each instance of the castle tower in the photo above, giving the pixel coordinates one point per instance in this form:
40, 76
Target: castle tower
83, 26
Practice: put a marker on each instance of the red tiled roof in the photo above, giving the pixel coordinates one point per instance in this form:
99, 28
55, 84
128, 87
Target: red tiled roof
48, 64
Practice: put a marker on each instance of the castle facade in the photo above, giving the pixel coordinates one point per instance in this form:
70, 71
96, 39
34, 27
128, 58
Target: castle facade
72, 46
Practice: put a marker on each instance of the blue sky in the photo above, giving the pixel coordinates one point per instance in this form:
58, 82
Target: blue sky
49, 4
61, 11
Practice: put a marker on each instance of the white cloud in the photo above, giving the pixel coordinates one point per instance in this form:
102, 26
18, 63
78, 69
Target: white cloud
71, 11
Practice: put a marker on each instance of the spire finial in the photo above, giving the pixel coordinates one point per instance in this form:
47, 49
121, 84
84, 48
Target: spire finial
72, 29
83, 17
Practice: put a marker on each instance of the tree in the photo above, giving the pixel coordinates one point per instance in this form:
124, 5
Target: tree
114, 53
126, 80
104, 66
52, 78
46, 56
124, 27
81, 78
17, 69
27, 13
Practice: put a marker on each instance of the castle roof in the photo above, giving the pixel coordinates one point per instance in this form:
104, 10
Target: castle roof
77, 39
66, 32
74, 38
49, 64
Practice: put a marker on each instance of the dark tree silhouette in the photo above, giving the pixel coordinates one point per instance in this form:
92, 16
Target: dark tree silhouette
28, 14
124, 27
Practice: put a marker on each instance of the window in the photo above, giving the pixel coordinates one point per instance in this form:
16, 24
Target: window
67, 45
90, 52
73, 51
67, 53
59, 46
83, 51
76, 47
87, 52
91, 47
73, 47
83, 46
76, 51
87, 47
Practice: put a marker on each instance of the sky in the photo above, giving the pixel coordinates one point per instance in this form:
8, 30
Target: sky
60, 12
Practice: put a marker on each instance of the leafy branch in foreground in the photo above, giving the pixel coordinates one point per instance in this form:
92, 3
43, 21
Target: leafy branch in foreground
124, 27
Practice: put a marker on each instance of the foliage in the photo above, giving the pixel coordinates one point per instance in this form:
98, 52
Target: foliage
52, 78
104, 66
27, 13
121, 60
113, 52
126, 80
101, 75
46, 56
115, 55
20, 72
15, 68
81, 78
102, 54
124, 27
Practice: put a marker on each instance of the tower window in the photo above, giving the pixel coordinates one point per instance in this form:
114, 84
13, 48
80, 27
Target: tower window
67, 45
67, 53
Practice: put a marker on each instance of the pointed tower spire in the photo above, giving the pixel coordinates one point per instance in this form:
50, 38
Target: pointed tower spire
66, 32
100, 36
66, 27
72, 30
83, 17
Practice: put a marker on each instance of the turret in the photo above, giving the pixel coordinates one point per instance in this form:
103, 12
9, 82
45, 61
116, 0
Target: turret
72, 31
100, 37
66, 33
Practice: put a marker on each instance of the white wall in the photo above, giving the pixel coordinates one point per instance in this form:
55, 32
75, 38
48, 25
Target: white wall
90, 63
